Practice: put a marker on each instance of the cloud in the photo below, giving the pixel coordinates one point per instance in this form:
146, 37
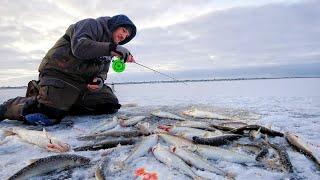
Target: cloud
255, 36
172, 35
146, 14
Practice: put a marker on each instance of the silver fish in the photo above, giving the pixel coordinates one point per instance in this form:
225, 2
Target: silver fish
303, 147
217, 153
205, 115
103, 135
167, 115
142, 148
196, 124
39, 138
106, 144
107, 125
189, 133
228, 126
48, 164
178, 141
165, 156
196, 160
131, 121
262, 129
216, 140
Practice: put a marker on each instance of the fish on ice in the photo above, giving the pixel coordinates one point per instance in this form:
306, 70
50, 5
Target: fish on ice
48, 164
197, 161
131, 121
302, 146
168, 115
165, 156
142, 148
40, 138
195, 113
217, 153
189, 133
107, 125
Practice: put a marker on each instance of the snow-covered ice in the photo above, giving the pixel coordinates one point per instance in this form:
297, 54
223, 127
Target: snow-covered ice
284, 104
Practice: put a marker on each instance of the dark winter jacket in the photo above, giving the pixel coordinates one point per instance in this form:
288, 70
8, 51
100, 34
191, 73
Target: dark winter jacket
80, 54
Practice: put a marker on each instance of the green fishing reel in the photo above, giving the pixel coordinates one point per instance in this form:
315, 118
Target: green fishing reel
118, 64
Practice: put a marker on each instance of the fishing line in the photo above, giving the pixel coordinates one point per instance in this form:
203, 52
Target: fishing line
159, 72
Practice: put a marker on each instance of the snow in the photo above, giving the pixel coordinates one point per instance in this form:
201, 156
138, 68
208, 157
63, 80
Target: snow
284, 104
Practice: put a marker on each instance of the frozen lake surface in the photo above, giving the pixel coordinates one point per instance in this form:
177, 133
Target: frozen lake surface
283, 104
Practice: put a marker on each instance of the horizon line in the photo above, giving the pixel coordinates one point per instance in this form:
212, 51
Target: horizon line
188, 80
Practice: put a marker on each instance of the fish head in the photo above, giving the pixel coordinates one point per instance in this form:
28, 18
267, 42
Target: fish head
289, 134
58, 146
195, 138
157, 146
164, 127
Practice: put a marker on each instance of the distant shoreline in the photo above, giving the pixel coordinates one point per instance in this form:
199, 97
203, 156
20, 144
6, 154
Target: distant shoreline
207, 80
183, 81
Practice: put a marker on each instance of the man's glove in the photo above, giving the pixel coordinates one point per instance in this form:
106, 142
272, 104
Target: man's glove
39, 119
124, 52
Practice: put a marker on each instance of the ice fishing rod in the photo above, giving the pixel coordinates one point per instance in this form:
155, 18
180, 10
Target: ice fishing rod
118, 66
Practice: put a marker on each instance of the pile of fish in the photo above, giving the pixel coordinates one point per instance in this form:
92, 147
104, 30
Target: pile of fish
189, 142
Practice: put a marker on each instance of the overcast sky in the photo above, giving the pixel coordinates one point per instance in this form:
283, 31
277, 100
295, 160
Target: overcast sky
172, 35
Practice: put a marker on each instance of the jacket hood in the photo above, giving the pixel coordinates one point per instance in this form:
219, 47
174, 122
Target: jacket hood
122, 21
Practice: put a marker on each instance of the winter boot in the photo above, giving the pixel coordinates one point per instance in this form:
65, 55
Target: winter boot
12, 109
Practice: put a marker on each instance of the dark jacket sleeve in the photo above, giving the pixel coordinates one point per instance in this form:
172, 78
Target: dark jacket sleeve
84, 40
